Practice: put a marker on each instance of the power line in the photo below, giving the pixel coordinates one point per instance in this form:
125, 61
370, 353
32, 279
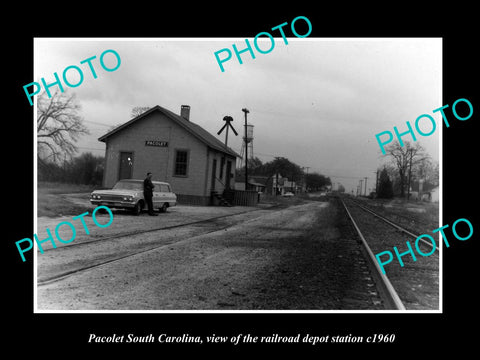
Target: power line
329, 175
345, 177
266, 154
88, 148
97, 123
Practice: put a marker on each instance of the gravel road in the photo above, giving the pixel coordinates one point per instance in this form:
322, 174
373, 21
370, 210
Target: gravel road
300, 257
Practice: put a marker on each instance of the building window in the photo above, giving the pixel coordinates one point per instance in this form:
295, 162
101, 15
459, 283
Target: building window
181, 163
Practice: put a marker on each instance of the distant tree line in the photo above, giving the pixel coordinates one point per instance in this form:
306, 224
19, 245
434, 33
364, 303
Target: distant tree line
385, 188
285, 168
316, 181
409, 166
84, 169
59, 126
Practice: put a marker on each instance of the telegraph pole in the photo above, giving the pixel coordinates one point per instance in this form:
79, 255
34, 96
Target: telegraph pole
305, 176
228, 120
410, 174
365, 186
245, 110
226, 136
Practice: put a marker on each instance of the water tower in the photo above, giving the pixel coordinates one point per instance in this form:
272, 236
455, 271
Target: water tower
247, 144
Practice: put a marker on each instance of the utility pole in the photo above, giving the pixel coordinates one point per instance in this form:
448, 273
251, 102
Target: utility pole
305, 177
365, 186
226, 136
409, 174
361, 185
276, 182
245, 110
228, 120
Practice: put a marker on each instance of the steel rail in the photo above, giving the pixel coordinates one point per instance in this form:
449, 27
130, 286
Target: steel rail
394, 225
386, 286
137, 232
66, 274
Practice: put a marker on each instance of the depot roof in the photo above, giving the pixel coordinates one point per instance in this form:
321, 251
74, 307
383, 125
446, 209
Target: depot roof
194, 129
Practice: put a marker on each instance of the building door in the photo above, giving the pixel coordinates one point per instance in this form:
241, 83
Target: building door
126, 165
228, 174
214, 173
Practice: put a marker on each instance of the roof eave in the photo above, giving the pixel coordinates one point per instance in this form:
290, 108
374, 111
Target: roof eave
228, 151
166, 112
120, 127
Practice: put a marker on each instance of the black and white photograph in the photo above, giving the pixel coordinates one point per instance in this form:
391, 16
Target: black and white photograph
242, 180
269, 192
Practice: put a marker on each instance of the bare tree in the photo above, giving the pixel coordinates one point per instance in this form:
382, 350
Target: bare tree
428, 171
404, 157
58, 126
138, 110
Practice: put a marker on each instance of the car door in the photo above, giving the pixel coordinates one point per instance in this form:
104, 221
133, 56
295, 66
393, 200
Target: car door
157, 195
163, 194
166, 195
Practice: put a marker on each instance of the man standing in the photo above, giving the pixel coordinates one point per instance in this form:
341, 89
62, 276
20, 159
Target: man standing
148, 193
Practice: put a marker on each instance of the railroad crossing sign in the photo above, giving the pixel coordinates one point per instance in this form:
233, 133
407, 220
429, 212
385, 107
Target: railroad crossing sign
228, 120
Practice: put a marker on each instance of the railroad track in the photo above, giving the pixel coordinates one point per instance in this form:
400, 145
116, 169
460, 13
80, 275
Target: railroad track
410, 223
415, 286
137, 231
411, 285
393, 224
136, 246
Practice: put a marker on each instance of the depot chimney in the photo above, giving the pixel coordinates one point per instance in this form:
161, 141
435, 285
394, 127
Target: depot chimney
185, 112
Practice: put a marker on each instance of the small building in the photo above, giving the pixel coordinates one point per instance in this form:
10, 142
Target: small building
255, 182
431, 195
290, 186
174, 150
278, 184
252, 185
435, 194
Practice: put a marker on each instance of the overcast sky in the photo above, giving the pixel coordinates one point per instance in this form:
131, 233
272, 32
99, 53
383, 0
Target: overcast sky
318, 102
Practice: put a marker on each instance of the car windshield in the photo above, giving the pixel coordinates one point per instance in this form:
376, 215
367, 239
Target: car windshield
128, 185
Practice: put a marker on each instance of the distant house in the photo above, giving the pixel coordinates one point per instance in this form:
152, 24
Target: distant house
175, 150
278, 184
434, 194
291, 186
252, 185
268, 184
414, 195
431, 196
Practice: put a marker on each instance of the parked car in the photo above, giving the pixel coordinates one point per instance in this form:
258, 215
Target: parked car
288, 194
128, 194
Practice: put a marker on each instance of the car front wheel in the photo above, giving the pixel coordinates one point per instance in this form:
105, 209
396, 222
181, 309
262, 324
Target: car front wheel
137, 209
164, 207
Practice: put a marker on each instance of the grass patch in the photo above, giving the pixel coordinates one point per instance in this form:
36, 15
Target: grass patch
281, 200
421, 217
64, 188
52, 201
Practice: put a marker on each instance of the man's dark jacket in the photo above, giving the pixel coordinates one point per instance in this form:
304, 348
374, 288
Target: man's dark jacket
148, 187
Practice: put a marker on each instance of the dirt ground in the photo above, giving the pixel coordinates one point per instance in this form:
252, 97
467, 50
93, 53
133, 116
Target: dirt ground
298, 257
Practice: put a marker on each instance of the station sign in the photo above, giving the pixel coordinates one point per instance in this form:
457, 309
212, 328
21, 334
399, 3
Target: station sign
156, 143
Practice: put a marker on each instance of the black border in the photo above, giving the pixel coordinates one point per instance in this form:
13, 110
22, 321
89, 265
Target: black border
414, 332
